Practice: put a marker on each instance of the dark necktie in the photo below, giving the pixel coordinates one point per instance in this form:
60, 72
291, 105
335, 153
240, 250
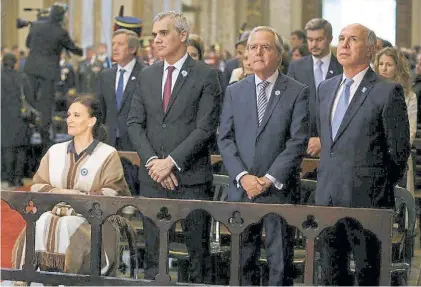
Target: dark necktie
167, 88
120, 89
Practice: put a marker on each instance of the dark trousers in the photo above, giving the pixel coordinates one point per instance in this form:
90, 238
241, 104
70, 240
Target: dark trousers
279, 250
14, 162
195, 229
347, 237
43, 90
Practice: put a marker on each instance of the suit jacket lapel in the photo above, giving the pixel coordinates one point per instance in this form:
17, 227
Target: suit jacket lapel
333, 68
156, 87
181, 79
277, 92
310, 72
360, 94
331, 100
250, 93
131, 84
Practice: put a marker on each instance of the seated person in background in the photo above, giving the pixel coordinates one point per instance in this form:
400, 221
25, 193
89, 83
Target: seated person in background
243, 71
84, 165
299, 52
391, 64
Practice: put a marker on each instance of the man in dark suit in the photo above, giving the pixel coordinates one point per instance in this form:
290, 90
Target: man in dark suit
263, 137
46, 40
116, 87
15, 132
364, 131
313, 69
174, 114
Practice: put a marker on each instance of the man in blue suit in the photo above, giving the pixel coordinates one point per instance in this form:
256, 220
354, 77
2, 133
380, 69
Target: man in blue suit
315, 68
364, 132
263, 137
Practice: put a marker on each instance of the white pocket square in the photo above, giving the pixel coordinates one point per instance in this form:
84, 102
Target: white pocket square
133, 78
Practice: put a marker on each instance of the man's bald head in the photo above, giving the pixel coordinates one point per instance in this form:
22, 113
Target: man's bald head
356, 46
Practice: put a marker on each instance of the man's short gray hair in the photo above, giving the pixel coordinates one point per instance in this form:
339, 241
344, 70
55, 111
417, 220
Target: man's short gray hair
371, 38
180, 21
132, 38
278, 40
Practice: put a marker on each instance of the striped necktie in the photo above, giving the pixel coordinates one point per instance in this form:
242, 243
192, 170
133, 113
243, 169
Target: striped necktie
262, 100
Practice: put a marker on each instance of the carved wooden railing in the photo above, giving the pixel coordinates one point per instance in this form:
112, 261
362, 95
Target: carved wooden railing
236, 217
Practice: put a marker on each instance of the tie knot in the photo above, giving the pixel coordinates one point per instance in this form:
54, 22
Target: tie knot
122, 71
262, 85
170, 69
319, 63
348, 82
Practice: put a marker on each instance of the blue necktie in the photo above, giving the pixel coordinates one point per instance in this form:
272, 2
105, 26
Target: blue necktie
318, 74
341, 107
120, 89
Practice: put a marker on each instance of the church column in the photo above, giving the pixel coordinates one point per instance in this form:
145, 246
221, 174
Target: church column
28, 16
9, 32
416, 23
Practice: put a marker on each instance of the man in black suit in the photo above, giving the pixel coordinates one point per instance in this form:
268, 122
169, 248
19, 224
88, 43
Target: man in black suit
364, 132
262, 138
174, 114
46, 40
313, 69
116, 87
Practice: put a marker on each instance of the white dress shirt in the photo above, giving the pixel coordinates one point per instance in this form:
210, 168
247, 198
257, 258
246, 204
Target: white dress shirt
128, 71
268, 91
357, 81
325, 65
177, 65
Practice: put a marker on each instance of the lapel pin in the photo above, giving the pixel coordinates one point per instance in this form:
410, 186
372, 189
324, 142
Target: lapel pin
133, 78
331, 71
184, 73
277, 93
364, 89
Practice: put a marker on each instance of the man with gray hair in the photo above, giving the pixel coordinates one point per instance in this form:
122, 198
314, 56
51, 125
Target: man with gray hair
313, 69
262, 138
173, 116
364, 132
116, 87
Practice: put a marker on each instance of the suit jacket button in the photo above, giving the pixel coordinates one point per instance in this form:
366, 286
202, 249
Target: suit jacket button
258, 139
332, 154
164, 126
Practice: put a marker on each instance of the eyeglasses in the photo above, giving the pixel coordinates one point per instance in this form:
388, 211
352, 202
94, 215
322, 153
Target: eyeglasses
255, 47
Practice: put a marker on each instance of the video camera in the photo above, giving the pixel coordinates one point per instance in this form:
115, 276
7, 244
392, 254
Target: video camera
42, 14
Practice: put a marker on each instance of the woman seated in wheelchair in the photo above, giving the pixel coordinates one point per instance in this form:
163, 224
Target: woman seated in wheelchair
83, 165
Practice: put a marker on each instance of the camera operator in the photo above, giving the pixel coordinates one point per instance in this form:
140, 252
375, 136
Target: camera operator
46, 40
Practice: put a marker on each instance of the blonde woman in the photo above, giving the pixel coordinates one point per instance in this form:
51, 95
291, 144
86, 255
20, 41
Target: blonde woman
391, 64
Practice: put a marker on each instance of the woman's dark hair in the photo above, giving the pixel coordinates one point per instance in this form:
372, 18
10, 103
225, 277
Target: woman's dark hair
196, 44
9, 60
99, 131
303, 50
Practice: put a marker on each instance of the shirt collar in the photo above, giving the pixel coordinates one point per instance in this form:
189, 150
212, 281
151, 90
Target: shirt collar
89, 150
178, 65
271, 79
358, 78
325, 59
128, 68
